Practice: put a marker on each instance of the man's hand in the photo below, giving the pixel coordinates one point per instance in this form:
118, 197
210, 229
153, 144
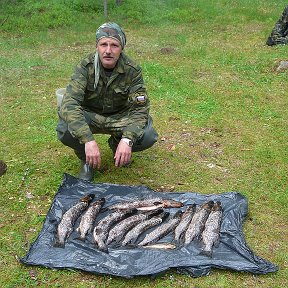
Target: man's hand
123, 154
93, 157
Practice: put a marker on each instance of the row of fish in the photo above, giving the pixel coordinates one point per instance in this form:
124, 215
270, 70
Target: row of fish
126, 221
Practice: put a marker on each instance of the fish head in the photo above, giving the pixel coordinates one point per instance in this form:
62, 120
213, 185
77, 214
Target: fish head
178, 214
192, 208
217, 206
100, 202
164, 215
172, 204
88, 198
208, 205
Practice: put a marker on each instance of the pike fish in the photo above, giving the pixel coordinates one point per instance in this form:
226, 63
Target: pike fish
162, 230
197, 223
67, 222
88, 218
147, 204
184, 222
161, 246
101, 230
132, 236
121, 228
211, 233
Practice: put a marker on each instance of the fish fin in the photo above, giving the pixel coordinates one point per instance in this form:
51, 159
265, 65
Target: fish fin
217, 242
116, 245
104, 249
180, 241
102, 210
157, 203
154, 213
131, 246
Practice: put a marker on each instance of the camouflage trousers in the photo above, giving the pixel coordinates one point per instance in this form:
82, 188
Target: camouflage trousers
106, 125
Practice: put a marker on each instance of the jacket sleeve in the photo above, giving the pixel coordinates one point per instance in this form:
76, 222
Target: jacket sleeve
71, 110
139, 108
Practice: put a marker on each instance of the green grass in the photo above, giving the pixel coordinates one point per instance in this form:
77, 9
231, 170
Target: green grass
216, 99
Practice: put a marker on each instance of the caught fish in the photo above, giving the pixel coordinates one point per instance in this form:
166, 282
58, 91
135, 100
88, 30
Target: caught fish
121, 228
67, 222
211, 233
184, 222
162, 230
132, 236
161, 246
88, 218
147, 204
197, 223
101, 230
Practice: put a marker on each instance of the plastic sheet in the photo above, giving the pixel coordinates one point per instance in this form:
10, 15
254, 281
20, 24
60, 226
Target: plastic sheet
232, 252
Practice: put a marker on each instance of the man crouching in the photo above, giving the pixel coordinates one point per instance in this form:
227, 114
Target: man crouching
106, 95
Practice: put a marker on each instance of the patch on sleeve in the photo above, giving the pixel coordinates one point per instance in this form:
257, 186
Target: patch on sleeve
140, 99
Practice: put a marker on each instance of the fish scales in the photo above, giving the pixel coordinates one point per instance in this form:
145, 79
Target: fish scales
88, 218
197, 223
184, 222
120, 229
162, 230
68, 219
211, 233
101, 230
134, 233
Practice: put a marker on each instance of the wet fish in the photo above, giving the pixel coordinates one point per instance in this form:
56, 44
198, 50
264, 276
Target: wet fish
101, 230
197, 223
121, 228
162, 230
88, 218
184, 223
67, 222
161, 246
132, 236
147, 204
211, 233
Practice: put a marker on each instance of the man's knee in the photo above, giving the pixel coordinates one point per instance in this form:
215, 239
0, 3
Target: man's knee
66, 138
149, 138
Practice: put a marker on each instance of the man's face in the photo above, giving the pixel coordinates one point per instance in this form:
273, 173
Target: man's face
109, 51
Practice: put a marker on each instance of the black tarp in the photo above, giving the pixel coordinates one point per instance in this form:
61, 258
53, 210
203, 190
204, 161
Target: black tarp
232, 252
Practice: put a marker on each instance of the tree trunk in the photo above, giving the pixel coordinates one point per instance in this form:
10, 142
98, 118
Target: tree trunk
105, 9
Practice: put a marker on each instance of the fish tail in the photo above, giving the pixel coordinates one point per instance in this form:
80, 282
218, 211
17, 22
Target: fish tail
104, 249
81, 238
206, 253
101, 245
131, 246
58, 243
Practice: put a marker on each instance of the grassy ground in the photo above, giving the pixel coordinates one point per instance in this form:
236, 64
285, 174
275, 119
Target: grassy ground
218, 104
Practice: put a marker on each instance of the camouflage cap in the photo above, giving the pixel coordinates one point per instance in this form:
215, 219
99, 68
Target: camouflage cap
111, 30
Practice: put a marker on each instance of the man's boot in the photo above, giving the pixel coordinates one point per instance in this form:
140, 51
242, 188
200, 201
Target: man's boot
86, 172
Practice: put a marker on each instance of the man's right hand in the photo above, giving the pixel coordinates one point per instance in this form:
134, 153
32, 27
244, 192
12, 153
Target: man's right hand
93, 157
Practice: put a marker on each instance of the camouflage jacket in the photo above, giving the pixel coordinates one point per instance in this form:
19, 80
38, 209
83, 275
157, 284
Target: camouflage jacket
279, 34
122, 93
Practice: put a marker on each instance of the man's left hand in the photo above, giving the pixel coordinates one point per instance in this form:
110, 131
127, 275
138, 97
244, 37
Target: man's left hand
123, 154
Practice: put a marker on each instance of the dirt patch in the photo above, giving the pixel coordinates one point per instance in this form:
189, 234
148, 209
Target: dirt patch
167, 50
